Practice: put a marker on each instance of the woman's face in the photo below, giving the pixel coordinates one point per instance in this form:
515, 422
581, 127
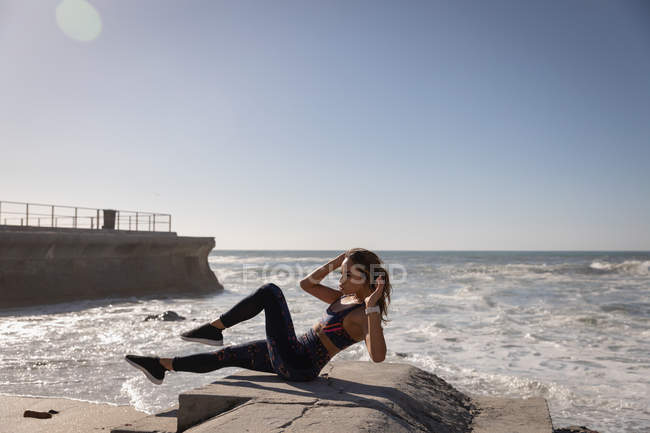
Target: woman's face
352, 280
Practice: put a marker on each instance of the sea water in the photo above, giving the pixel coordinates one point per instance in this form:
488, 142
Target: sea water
571, 327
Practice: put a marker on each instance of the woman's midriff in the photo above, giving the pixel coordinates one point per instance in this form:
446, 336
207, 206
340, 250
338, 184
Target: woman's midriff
331, 348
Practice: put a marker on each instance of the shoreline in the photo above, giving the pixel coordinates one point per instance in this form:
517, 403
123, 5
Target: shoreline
73, 415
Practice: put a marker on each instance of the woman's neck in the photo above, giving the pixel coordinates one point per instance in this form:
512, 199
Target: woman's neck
359, 298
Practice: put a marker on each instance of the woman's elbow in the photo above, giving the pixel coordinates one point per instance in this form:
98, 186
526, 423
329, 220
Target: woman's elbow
378, 358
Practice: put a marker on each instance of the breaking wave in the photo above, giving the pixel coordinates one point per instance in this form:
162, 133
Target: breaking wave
635, 267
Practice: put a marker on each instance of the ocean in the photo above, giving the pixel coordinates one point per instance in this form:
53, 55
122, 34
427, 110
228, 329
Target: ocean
572, 327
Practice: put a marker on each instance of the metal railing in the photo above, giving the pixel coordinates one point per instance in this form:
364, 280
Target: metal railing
76, 217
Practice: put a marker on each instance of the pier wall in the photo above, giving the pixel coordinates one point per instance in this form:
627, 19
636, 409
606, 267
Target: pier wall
43, 266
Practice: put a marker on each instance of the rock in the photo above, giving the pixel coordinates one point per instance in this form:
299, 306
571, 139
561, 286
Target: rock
167, 316
574, 429
37, 414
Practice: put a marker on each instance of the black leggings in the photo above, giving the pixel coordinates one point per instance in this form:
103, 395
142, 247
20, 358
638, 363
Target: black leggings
293, 358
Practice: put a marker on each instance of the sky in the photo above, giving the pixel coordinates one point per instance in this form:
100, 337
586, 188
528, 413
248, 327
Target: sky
327, 125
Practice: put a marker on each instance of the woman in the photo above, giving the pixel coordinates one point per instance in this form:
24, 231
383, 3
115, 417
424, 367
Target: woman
355, 313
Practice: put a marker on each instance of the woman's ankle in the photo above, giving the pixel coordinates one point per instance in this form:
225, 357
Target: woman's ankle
167, 363
218, 324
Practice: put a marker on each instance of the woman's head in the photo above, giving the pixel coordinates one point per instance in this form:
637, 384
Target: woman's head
359, 273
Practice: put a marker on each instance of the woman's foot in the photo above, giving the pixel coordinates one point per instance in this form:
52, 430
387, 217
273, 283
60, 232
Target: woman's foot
149, 365
206, 334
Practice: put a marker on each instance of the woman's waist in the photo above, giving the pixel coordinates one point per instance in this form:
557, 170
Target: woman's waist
317, 346
318, 332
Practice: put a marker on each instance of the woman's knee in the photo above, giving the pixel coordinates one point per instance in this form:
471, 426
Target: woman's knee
270, 288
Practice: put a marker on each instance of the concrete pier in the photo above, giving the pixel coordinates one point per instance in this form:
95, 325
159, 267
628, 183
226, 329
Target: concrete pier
49, 265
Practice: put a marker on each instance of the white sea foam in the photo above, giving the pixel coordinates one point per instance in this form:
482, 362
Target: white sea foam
636, 267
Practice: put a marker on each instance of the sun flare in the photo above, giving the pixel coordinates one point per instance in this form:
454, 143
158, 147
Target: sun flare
79, 20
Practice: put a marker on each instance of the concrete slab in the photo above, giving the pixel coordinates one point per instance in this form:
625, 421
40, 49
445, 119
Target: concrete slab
352, 397
299, 418
505, 415
400, 395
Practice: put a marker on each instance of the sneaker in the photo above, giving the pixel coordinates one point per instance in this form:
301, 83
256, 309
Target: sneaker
206, 334
150, 366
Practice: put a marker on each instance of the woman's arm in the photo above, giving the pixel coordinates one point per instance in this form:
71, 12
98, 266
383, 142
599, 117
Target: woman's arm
311, 283
375, 342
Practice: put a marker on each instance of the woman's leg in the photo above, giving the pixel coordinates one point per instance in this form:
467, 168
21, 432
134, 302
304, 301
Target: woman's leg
288, 357
283, 355
245, 309
253, 304
253, 356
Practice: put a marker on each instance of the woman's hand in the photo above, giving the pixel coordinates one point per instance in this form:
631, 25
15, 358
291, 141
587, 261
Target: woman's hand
371, 300
317, 275
338, 261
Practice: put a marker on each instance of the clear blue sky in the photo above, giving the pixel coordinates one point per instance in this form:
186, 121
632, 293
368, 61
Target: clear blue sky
328, 125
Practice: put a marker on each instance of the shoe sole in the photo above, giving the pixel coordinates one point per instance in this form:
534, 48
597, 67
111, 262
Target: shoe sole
146, 372
203, 341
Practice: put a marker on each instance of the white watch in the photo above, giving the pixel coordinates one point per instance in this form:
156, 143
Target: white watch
374, 309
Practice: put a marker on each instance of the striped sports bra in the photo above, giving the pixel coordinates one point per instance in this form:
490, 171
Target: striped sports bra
332, 326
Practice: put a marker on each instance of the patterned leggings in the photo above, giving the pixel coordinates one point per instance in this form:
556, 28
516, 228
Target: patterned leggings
293, 358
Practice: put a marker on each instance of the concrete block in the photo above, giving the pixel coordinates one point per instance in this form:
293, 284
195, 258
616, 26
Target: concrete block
399, 396
201, 407
507, 415
350, 396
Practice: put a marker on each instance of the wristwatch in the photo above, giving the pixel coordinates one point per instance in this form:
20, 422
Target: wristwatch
374, 309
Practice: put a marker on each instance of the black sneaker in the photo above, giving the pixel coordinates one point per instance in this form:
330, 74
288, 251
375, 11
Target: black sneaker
206, 334
150, 366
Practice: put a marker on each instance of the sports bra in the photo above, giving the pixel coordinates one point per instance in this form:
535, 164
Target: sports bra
332, 326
